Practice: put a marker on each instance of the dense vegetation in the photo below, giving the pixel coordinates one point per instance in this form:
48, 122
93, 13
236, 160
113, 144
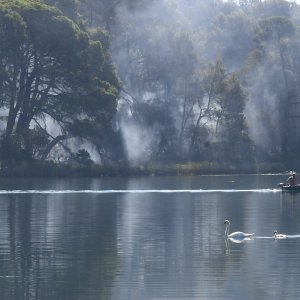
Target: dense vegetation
197, 86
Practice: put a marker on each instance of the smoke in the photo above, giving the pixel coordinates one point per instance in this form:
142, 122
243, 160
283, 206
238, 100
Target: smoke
156, 48
158, 45
59, 152
259, 126
138, 142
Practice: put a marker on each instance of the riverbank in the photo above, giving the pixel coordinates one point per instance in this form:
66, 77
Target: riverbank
51, 169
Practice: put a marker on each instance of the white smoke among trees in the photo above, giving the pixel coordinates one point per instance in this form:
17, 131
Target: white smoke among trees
200, 78
162, 49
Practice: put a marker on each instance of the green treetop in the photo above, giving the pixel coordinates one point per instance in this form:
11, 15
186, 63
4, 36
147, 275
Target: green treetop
51, 71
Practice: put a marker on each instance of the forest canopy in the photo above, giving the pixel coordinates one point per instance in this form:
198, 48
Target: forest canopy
54, 76
139, 82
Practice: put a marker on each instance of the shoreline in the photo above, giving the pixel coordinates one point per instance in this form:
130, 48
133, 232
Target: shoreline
51, 170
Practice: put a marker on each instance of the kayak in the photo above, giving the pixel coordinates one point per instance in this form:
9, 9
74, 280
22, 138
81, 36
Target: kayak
290, 188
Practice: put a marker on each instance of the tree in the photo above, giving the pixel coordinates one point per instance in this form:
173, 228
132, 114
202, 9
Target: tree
51, 72
235, 144
231, 38
83, 157
68, 7
104, 13
274, 35
211, 86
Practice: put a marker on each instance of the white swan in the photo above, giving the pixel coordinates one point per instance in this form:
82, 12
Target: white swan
238, 235
279, 236
240, 240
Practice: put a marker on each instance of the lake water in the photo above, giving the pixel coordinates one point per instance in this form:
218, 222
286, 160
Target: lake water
148, 238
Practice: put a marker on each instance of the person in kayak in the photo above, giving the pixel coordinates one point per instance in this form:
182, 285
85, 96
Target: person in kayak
291, 181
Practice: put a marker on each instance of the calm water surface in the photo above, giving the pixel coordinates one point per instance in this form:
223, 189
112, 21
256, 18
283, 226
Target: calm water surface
149, 238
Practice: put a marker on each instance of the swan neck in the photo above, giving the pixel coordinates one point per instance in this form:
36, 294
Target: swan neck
227, 229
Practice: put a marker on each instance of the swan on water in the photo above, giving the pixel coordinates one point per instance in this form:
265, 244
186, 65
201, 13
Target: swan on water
278, 236
238, 235
240, 240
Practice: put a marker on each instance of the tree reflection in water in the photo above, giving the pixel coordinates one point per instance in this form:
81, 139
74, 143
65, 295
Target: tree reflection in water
57, 247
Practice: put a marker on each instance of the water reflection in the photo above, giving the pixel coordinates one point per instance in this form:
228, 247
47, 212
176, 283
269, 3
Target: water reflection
56, 247
149, 245
161, 243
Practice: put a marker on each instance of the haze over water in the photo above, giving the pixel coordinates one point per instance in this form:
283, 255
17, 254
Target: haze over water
148, 238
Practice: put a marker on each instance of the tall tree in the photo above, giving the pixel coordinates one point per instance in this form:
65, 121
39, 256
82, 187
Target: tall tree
274, 35
52, 72
235, 142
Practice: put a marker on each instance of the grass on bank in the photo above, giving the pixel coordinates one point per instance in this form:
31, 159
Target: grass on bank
52, 169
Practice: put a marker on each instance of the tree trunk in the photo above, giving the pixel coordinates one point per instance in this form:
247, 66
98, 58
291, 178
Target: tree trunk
50, 146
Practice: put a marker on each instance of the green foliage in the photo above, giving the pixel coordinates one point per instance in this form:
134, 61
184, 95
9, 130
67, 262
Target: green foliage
83, 157
201, 80
225, 77
51, 70
68, 7
37, 140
